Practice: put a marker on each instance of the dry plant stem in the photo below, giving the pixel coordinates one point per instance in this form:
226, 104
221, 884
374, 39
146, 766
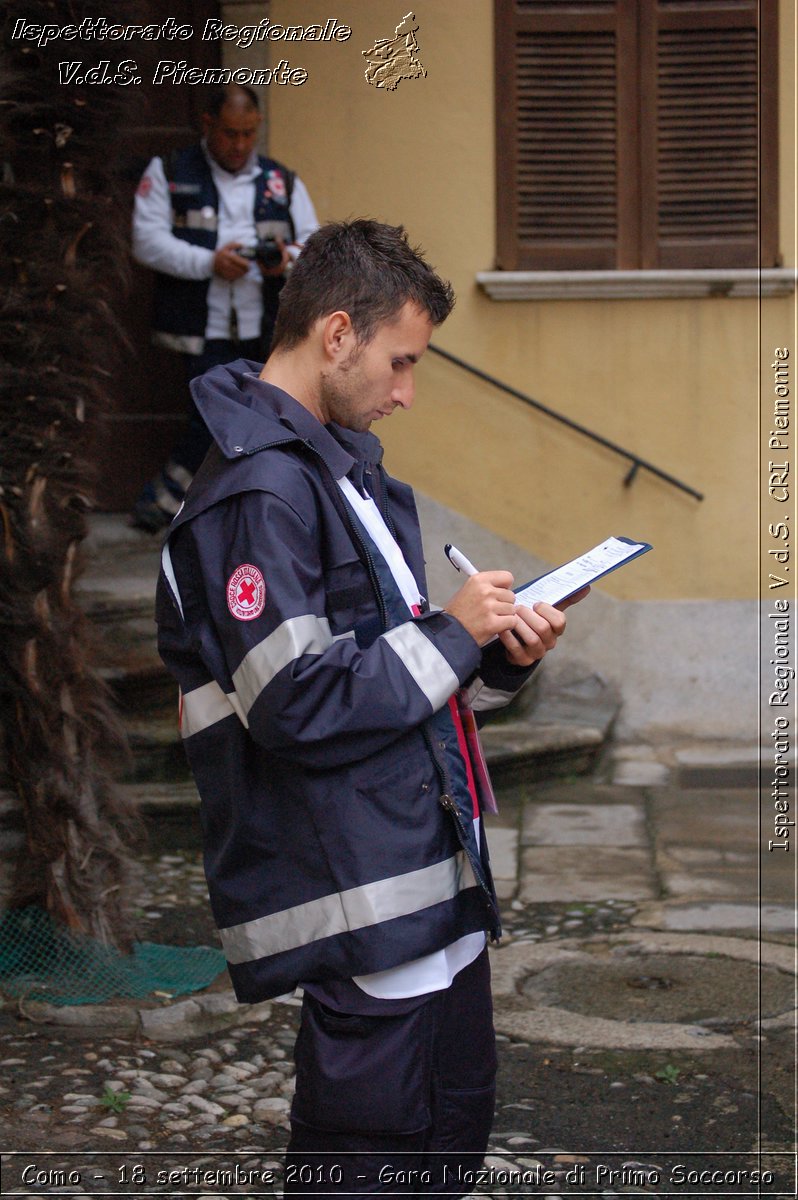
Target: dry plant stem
63, 259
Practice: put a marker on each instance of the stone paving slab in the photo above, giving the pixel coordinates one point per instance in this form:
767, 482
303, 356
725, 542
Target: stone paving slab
723, 882
713, 754
585, 825
640, 774
718, 917
692, 857
589, 873
503, 852
712, 817
590, 790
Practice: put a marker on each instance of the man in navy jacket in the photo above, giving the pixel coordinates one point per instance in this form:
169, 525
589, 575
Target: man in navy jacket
327, 711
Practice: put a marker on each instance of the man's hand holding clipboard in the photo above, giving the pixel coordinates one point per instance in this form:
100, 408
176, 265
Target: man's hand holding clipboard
529, 621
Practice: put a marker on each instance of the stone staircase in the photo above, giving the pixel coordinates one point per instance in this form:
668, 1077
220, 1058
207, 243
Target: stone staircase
559, 725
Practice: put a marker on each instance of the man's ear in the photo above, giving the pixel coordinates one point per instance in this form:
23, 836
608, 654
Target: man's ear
338, 335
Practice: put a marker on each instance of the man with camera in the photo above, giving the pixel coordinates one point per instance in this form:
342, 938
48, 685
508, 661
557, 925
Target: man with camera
220, 225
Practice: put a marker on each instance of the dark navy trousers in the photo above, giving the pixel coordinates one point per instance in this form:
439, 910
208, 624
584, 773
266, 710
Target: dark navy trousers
396, 1097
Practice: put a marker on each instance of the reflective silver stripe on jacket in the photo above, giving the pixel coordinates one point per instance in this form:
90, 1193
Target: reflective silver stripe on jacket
169, 573
483, 699
196, 218
205, 706
356, 908
309, 634
425, 663
288, 642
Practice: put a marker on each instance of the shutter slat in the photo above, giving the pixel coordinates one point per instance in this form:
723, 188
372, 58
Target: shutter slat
565, 135
706, 113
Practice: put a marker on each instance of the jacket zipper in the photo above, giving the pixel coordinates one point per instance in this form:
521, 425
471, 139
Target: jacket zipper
446, 800
449, 804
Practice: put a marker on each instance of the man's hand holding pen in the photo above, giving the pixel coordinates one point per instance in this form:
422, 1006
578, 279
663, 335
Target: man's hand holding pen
485, 606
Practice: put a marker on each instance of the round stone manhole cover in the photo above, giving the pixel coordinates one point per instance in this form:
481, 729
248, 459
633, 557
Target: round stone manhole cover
678, 988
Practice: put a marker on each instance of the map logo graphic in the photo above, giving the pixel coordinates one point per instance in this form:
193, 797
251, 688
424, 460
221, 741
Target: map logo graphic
393, 59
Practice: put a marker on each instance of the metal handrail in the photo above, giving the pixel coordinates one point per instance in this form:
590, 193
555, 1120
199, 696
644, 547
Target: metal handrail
635, 459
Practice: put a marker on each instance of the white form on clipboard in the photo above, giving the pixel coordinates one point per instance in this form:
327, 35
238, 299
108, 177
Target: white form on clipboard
557, 585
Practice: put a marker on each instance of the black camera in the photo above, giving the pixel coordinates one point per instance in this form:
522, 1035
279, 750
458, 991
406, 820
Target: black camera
266, 252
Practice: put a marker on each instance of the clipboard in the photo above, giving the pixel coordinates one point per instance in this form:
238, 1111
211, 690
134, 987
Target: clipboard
558, 584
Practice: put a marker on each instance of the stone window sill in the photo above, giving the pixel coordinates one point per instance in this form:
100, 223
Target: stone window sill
636, 285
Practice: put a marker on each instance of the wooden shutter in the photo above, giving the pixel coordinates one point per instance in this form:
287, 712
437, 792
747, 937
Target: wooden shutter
709, 134
557, 100
635, 133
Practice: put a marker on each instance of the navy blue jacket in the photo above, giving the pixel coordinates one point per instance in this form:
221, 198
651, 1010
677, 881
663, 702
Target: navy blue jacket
337, 822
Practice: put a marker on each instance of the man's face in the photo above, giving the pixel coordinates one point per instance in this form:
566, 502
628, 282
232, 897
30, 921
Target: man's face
231, 136
377, 377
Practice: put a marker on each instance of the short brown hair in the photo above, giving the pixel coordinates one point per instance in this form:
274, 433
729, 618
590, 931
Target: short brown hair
365, 269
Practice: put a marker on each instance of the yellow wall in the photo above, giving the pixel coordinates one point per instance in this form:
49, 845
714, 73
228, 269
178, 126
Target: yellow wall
674, 380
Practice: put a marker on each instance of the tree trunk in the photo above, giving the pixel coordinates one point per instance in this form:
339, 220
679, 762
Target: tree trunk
63, 260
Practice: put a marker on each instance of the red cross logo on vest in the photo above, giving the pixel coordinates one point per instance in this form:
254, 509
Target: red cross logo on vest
246, 593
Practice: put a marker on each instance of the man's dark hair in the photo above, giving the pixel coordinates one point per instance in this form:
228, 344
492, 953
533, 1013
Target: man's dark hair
217, 95
365, 269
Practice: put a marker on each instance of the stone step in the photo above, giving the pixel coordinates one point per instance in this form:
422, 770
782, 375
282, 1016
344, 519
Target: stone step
559, 726
117, 593
162, 797
156, 747
121, 570
719, 766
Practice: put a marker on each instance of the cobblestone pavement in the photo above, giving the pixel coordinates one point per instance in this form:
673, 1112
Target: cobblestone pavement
88, 1111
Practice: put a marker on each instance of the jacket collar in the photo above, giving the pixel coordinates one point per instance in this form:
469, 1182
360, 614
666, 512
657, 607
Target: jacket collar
245, 414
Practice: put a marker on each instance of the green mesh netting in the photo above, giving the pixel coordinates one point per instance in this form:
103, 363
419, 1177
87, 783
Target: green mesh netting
40, 960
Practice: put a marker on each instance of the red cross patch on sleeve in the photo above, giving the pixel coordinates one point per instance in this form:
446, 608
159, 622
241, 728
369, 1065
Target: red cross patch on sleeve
246, 592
